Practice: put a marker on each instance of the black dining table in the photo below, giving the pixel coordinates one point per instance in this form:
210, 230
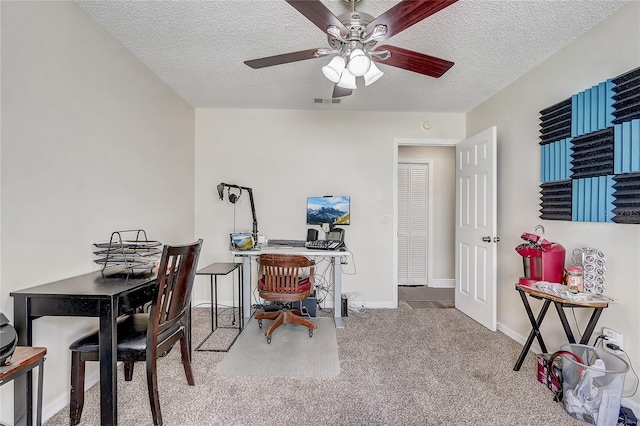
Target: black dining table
88, 295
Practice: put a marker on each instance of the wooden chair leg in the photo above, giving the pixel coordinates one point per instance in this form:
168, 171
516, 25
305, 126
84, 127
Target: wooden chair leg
275, 324
76, 399
267, 315
186, 360
291, 318
152, 385
128, 371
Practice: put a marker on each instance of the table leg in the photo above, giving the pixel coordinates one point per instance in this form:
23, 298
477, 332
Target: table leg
215, 303
565, 323
23, 385
108, 363
39, 400
240, 299
246, 286
591, 326
337, 292
535, 328
214, 296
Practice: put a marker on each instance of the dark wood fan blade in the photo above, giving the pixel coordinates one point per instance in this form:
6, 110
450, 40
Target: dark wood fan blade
414, 61
318, 13
339, 92
285, 58
405, 14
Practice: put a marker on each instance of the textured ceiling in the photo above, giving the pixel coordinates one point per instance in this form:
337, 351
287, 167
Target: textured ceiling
198, 48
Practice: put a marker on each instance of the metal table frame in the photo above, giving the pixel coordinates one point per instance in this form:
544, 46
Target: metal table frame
214, 270
334, 257
560, 304
23, 360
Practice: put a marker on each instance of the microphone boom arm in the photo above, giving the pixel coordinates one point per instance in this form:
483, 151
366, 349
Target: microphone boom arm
253, 206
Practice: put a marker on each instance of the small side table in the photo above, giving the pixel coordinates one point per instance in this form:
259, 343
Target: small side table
23, 360
214, 270
559, 303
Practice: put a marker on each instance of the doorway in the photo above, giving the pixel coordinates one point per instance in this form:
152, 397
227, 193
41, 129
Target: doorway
425, 258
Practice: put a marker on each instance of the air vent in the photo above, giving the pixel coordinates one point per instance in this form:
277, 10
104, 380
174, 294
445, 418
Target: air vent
326, 101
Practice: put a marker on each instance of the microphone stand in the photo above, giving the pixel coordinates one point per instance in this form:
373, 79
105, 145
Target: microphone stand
253, 207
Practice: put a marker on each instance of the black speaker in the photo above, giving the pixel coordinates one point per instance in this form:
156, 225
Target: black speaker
312, 234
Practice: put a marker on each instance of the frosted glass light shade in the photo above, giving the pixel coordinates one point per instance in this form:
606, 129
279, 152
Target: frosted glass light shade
372, 75
347, 80
359, 63
333, 70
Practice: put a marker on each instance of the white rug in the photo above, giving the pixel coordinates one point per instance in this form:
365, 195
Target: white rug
291, 353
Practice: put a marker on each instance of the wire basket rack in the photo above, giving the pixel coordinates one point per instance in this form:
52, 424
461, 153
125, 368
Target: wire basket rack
127, 252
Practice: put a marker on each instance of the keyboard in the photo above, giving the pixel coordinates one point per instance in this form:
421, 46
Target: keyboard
292, 243
324, 245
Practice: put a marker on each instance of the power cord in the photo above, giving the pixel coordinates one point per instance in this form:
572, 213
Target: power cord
357, 308
353, 261
615, 347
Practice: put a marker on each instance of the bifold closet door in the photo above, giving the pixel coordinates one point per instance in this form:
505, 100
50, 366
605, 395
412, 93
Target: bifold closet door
413, 220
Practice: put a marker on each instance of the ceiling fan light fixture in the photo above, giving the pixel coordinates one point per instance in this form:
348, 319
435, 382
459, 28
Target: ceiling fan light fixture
359, 63
372, 75
334, 69
347, 80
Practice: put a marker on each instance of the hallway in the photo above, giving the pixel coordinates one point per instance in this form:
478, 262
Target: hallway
420, 297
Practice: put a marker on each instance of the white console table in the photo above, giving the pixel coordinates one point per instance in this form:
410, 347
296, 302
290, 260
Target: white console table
333, 255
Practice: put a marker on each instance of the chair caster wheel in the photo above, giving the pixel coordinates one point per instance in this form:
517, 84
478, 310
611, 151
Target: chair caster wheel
310, 333
269, 340
259, 323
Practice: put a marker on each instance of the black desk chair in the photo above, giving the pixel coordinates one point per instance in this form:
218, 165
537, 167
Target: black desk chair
143, 337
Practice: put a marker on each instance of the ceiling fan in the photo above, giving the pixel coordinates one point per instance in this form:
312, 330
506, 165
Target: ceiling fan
353, 39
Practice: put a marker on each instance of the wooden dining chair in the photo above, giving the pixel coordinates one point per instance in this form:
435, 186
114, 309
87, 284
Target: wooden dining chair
145, 336
283, 278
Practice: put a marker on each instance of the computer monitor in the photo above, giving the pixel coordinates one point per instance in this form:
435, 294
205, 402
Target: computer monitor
329, 209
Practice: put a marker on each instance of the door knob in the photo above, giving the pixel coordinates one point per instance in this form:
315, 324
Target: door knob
486, 239
496, 239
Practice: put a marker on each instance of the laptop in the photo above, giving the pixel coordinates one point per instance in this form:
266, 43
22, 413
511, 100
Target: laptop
242, 241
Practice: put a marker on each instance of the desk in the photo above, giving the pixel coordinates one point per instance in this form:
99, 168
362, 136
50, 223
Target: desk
89, 295
559, 303
334, 256
23, 360
213, 270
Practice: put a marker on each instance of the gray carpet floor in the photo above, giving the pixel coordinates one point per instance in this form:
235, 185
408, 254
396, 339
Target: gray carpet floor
397, 367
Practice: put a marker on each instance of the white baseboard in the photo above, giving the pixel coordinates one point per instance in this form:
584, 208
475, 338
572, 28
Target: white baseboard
443, 283
55, 406
535, 348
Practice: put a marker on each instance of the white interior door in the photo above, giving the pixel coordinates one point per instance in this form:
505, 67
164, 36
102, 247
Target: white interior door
476, 227
413, 222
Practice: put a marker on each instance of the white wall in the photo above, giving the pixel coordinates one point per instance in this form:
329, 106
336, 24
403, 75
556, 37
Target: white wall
92, 142
607, 50
286, 156
443, 162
